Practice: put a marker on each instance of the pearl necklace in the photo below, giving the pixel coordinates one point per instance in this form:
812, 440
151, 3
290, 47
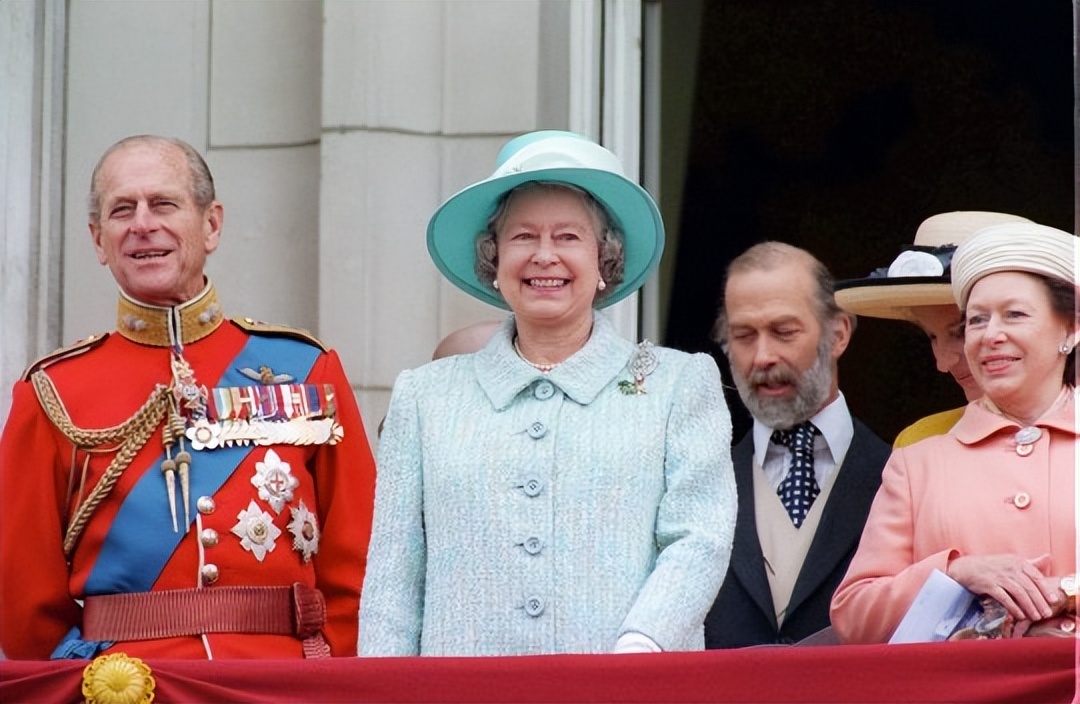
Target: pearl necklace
542, 368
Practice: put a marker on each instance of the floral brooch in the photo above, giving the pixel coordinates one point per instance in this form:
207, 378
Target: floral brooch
641, 365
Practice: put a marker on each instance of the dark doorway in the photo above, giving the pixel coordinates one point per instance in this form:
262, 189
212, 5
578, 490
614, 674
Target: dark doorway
840, 125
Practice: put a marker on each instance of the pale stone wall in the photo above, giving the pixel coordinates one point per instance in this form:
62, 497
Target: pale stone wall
241, 82
32, 54
424, 94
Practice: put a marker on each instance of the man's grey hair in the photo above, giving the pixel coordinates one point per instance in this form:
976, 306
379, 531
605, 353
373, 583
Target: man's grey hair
202, 182
771, 255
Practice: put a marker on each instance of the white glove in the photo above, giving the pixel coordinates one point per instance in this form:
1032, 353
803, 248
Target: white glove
634, 642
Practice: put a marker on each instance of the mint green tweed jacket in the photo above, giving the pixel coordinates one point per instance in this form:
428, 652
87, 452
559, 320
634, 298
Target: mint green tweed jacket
521, 513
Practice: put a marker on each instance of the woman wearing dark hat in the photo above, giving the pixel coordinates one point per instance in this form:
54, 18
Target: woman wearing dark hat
916, 288
992, 503
562, 490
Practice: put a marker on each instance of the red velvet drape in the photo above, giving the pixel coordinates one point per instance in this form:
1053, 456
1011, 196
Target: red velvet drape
1028, 670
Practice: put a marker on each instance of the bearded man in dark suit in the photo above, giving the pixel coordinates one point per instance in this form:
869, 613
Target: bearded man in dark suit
807, 471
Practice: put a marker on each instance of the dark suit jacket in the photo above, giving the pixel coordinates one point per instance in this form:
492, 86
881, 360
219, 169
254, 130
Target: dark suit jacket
743, 613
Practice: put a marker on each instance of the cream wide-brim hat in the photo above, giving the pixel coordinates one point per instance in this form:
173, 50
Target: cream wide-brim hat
551, 156
1027, 247
921, 274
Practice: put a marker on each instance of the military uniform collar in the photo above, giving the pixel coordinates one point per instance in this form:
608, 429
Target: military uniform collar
503, 374
161, 327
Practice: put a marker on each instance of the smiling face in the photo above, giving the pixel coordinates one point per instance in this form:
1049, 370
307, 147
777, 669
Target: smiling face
1012, 336
150, 232
782, 358
547, 250
944, 325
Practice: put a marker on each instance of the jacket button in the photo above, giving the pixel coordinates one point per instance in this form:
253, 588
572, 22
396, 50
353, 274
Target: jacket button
208, 537
537, 430
209, 574
533, 485
534, 606
534, 545
206, 505
1022, 500
544, 390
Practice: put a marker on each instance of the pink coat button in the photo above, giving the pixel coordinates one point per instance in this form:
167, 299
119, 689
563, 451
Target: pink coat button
1021, 500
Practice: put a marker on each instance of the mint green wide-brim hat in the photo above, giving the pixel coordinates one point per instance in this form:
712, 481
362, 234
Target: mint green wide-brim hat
551, 156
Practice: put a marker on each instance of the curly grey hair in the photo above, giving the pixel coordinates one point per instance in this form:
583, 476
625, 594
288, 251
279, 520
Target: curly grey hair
611, 257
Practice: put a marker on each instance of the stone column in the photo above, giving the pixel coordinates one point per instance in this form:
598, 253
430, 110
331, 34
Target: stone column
32, 108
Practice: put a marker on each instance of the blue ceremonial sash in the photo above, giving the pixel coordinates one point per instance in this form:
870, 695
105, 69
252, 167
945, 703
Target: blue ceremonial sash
141, 538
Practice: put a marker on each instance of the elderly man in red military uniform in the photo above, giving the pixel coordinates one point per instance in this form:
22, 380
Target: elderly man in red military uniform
188, 486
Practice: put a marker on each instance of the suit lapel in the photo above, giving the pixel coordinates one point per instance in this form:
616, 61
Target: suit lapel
747, 562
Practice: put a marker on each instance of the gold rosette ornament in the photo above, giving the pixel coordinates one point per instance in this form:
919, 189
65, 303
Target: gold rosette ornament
117, 679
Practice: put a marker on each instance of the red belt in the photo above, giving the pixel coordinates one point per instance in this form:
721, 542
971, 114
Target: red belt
298, 611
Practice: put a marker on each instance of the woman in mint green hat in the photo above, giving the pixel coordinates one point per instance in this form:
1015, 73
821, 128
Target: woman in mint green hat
562, 490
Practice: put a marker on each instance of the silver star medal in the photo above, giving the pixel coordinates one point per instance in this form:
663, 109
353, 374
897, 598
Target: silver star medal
256, 530
275, 481
304, 527
641, 365
204, 434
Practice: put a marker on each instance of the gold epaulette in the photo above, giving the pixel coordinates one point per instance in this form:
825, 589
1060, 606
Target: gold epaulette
257, 327
84, 345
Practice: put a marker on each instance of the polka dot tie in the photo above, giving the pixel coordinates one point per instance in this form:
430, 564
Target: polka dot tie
800, 487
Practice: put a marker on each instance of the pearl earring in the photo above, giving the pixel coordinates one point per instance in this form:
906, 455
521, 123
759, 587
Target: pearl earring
495, 284
1064, 349
600, 285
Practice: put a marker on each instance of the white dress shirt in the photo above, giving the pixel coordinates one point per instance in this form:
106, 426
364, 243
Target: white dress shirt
830, 447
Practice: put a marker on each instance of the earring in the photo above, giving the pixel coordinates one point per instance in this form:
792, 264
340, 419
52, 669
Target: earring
600, 285
495, 284
1064, 349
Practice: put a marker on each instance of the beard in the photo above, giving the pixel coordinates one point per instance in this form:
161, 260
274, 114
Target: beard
811, 390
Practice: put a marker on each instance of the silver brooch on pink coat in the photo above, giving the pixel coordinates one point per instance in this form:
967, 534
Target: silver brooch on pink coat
1025, 439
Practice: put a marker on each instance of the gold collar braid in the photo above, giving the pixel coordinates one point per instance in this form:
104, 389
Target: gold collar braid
150, 325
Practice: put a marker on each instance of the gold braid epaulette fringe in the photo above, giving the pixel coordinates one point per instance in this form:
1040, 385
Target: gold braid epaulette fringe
132, 434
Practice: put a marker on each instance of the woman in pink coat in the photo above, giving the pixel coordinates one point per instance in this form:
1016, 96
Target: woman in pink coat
991, 504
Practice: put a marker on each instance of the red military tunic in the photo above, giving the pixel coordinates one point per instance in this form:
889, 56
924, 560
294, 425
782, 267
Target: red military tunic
275, 515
